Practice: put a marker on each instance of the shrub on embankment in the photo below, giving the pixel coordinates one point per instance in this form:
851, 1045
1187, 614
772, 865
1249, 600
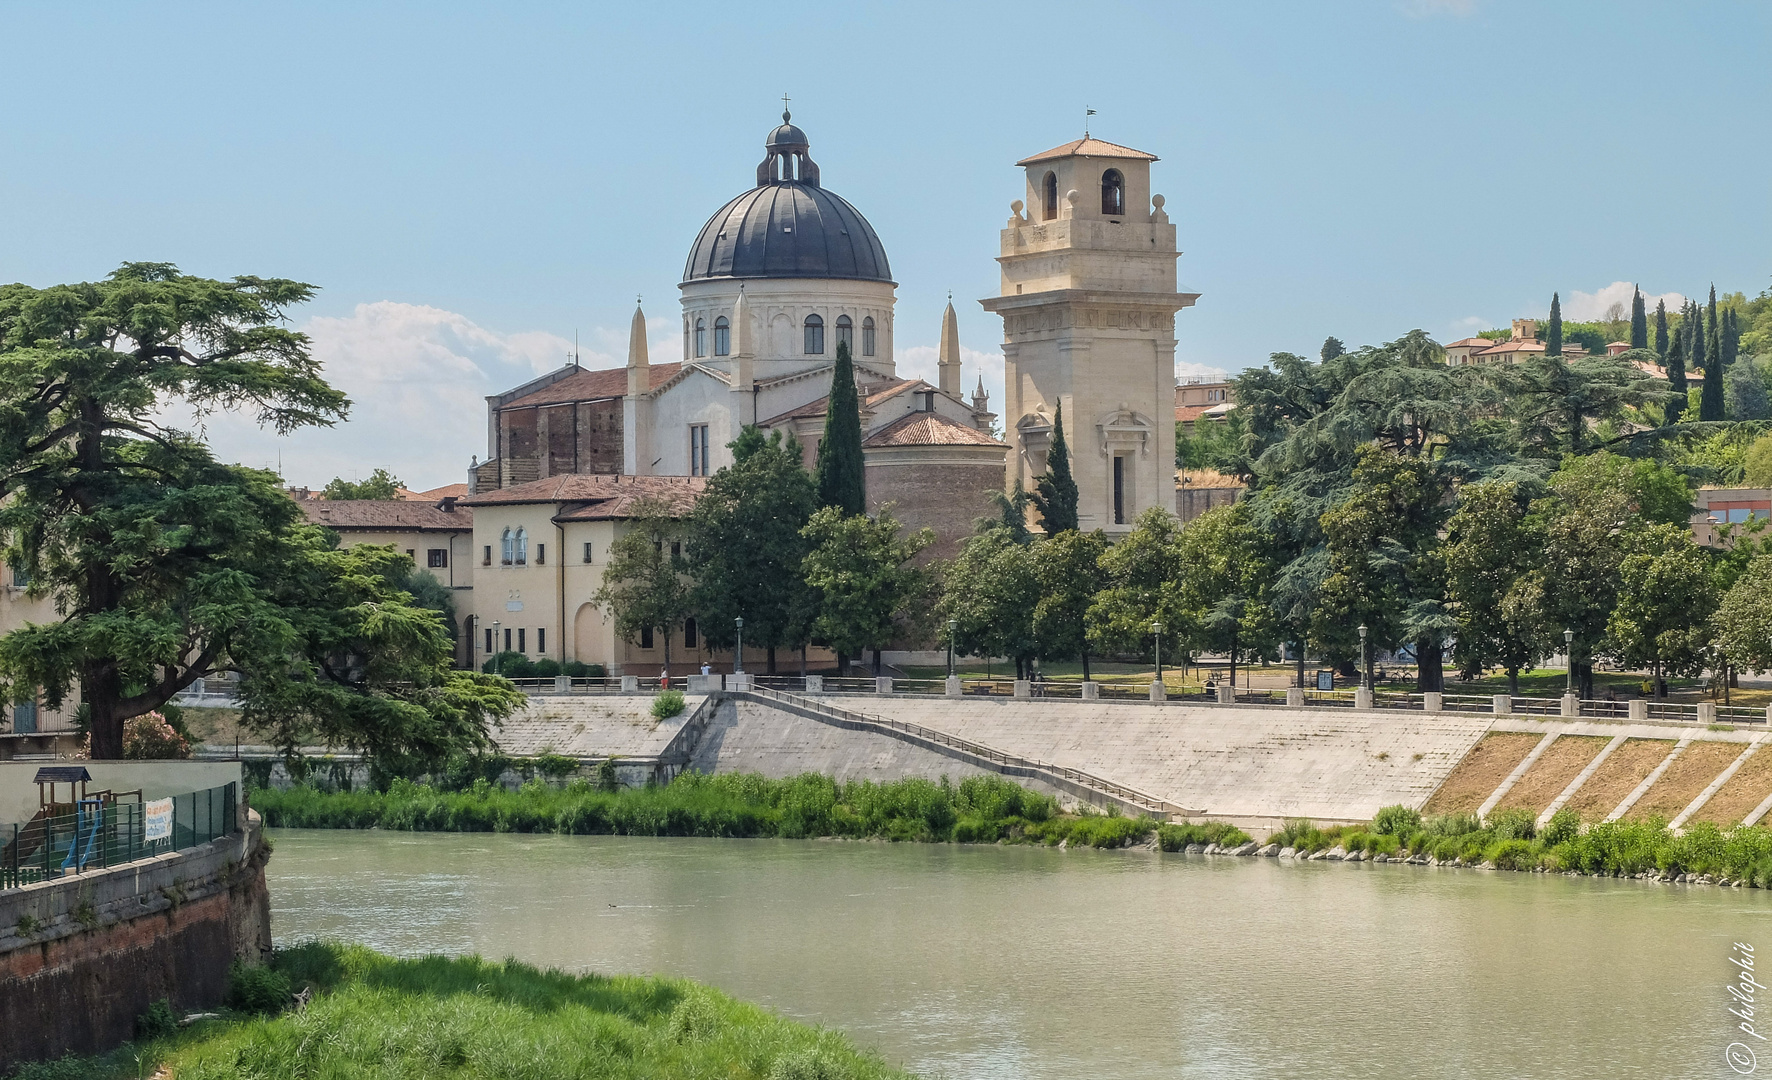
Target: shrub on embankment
1512, 840
979, 809
376, 1016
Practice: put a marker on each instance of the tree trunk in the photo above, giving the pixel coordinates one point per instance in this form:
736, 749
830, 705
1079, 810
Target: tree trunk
104, 726
802, 661
1430, 666
1301, 665
1513, 682
879, 660
1233, 658
771, 667
1086, 665
1584, 678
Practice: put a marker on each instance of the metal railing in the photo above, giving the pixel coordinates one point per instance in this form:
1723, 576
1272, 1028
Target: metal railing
99, 833
1132, 796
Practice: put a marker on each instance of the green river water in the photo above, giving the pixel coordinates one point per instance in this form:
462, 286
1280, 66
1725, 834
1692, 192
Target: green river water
1003, 962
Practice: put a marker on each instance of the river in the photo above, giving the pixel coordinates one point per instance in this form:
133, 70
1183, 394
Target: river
1005, 962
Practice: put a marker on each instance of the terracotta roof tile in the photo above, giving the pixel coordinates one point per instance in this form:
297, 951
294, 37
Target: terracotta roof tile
1472, 342
604, 495
930, 429
880, 393
392, 515
590, 385
1087, 147
438, 494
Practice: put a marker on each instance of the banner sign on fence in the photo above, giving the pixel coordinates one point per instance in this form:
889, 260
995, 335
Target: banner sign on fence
159, 820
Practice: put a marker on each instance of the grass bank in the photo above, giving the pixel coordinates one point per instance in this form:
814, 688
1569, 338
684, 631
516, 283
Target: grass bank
979, 809
372, 1016
1511, 840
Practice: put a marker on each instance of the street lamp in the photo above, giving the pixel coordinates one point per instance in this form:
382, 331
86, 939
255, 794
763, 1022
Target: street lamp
495, 649
1157, 633
1569, 654
738, 658
1365, 661
953, 628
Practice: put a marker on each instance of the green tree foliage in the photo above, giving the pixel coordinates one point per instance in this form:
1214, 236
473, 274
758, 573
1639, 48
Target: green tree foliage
1382, 558
1332, 348
1068, 569
1743, 622
1553, 334
1757, 466
1639, 322
1711, 404
1055, 492
841, 473
744, 546
1219, 598
1676, 380
1139, 569
646, 584
990, 595
1554, 403
158, 557
1492, 548
1012, 514
1661, 328
432, 595
1665, 598
1744, 391
870, 589
382, 486
369, 670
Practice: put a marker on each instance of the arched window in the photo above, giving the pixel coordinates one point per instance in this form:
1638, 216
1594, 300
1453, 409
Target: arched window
722, 337
701, 338
1051, 201
522, 547
814, 335
845, 332
507, 548
867, 336
1113, 193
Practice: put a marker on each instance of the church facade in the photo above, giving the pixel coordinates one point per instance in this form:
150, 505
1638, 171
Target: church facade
775, 280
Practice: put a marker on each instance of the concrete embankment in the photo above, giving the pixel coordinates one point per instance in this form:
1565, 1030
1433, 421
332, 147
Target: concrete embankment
1251, 765
82, 956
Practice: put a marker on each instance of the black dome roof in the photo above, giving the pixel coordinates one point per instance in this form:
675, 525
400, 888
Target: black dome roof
788, 228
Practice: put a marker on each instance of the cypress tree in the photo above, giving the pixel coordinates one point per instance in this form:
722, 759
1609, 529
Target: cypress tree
1676, 377
1661, 327
1710, 404
841, 478
1639, 321
1731, 336
1553, 336
1332, 348
1055, 491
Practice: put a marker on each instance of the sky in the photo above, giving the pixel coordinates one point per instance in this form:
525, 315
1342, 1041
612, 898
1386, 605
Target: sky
474, 188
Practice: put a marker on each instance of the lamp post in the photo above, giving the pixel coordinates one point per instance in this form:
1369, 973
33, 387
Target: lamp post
738, 656
1157, 633
495, 645
953, 628
1569, 654
1365, 662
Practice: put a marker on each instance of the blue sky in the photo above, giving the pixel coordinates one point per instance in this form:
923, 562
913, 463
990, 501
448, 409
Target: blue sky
473, 185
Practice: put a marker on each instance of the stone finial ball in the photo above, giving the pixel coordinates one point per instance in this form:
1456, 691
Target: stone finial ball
1157, 201
1072, 196
1015, 207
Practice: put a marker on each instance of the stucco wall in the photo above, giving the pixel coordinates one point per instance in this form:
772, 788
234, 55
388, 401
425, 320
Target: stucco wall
104, 946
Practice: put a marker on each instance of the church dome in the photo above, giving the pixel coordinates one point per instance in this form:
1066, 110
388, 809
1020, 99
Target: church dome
788, 226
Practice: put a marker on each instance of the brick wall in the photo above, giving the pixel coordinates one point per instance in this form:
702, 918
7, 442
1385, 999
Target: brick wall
944, 497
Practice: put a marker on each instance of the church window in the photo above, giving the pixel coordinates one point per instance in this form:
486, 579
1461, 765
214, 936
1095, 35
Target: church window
867, 336
845, 332
1113, 193
698, 450
814, 335
508, 548
722, 337
587, 551
646, 637
701, 338
1051, 196
522, 547
689, 633
1119, 490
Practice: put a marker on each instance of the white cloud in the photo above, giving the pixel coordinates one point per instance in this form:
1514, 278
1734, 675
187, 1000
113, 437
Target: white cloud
417, 378
1589, 307
1187, 369
920, 362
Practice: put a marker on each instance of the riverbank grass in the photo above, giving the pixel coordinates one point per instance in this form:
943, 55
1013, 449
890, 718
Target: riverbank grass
372, 1016
979, 809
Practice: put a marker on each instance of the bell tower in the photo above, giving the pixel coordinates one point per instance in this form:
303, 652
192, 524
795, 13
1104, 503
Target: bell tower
1088, 300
